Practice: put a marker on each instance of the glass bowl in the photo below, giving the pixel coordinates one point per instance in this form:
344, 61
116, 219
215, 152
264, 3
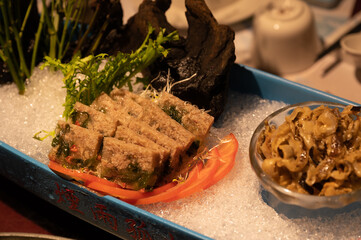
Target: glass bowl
283, 194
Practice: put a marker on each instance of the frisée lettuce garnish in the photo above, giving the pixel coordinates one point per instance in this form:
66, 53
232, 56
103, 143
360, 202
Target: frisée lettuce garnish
86, 78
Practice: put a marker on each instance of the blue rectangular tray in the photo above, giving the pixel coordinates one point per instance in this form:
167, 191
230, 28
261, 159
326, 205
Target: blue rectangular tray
117, 217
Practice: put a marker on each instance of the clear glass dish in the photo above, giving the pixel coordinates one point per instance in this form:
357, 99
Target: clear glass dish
286, 195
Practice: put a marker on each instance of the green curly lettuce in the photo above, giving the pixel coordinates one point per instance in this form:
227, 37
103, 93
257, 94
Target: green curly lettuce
85, 79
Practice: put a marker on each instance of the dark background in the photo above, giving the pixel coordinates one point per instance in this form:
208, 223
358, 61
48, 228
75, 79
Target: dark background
22, 211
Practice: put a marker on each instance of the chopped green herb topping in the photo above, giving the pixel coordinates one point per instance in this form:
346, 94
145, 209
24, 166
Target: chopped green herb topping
80, 118
173, 113
136, 177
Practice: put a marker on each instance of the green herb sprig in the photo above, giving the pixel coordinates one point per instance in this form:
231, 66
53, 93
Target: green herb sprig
58, 30
85, 80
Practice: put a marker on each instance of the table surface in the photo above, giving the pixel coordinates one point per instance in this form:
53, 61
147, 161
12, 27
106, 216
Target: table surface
333, 72
21, 211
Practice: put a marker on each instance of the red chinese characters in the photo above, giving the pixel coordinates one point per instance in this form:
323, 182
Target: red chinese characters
101, 215
67, 196
136, 230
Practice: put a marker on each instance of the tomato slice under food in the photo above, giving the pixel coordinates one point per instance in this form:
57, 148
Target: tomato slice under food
170, 193
227, 154
218, 163
83, 177
204, 176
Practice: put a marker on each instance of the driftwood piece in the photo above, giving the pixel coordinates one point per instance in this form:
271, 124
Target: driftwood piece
207, 53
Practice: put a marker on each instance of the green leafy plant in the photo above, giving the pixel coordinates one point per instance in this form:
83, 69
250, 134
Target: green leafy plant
85, 80
57, 30
11, 34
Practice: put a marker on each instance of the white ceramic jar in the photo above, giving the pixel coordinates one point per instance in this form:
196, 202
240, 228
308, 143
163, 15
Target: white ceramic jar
351, 48
285, 37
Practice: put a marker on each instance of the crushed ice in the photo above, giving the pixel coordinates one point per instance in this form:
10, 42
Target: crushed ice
235, 208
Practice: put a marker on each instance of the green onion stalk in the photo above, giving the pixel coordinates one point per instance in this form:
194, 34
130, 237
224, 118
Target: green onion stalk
58, 25
12, 49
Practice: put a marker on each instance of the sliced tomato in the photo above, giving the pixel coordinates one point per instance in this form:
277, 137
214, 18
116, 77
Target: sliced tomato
77, 175
219, 163
204, 176
163, 188
170, 193
227, 151
126, 195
